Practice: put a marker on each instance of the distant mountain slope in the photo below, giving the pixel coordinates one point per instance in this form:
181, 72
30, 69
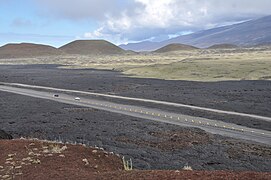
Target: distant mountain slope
175, 47
88, 47
24, 50
223, 46
141, 46
248, 33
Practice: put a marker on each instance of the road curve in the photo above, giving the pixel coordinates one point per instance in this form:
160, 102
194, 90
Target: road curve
143, 100
212, 126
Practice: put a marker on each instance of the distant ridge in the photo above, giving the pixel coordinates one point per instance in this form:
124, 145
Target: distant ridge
91, 47
223, 46
24, 50
249, 33
175, 47
264, 44
141, 46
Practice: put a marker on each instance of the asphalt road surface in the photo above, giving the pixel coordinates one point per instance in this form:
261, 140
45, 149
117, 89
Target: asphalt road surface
143, 100
212, 126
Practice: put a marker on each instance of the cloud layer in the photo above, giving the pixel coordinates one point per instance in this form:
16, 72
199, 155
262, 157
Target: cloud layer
135, 20
79, 9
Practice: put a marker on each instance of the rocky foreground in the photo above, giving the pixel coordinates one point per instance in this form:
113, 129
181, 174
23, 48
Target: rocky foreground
36, 159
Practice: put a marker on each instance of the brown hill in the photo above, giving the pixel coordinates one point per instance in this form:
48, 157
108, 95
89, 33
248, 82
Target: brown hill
24, 50
175, 47
223, 46
91, 47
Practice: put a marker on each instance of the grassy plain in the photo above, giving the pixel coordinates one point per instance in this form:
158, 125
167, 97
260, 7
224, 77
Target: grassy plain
196, 65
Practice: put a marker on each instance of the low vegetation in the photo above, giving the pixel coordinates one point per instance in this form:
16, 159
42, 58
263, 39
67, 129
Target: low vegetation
175, 47
187, 168
127, 165
212, 69
195, 65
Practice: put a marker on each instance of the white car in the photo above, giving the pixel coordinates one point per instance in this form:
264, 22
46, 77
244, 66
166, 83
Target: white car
77, 98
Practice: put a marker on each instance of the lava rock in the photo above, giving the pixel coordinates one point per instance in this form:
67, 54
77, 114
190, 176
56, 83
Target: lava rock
4, 135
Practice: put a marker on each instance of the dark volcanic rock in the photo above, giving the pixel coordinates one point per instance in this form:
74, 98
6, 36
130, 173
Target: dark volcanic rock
4, 135
150, 144
252, 97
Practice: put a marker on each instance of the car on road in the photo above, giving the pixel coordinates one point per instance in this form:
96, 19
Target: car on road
56, 95
77, 98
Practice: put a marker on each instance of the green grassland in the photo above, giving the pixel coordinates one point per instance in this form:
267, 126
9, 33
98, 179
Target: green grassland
207, 70
195, 65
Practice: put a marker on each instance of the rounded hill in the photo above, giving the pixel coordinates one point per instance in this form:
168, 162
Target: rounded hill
223, 46
23, 50
91, 47
175, 47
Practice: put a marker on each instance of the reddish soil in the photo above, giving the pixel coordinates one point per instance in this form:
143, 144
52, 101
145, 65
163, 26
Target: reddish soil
33, 159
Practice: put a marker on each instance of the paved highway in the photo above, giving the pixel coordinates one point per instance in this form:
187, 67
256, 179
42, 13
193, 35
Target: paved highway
212, 126
142, 100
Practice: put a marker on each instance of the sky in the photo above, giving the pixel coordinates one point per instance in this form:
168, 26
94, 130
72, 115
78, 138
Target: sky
57, 22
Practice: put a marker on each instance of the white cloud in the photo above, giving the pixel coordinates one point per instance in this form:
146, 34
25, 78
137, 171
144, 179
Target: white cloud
134, 20
99, 34
96, 34
159, 13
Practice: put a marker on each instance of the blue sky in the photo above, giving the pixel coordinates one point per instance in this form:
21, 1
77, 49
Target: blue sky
56, 22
